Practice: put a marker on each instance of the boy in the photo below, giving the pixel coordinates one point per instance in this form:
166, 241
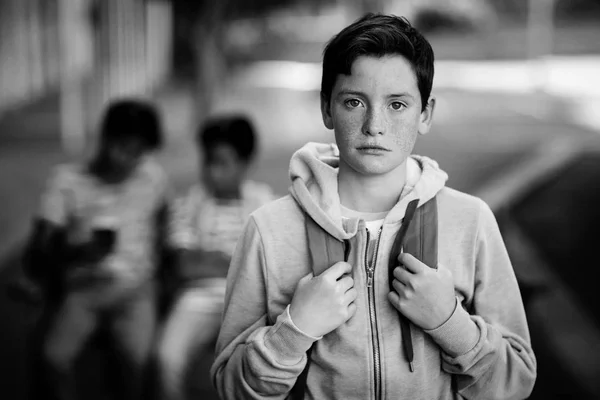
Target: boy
95, 246
469, 334
207, 224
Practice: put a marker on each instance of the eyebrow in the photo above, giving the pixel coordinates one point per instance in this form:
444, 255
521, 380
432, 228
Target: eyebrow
344, 92
351, 92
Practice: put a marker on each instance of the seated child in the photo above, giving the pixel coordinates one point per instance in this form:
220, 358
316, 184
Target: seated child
95, 241
207, 223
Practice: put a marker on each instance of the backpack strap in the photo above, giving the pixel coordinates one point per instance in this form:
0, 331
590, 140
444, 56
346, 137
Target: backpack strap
418, 236
324, 249
422, 236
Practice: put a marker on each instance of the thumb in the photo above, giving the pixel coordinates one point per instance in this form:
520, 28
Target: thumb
306, 277
444, 271
337, 270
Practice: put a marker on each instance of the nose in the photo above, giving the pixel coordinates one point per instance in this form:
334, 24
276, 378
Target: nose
374, 122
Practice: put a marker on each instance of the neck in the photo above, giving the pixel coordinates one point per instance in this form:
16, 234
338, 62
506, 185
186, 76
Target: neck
228, 195
101, 170
370, 193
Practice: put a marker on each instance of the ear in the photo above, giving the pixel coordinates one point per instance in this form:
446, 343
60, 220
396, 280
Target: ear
326, 112
427, 116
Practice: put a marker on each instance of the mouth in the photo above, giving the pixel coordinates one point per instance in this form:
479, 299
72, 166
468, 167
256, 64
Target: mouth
372, 147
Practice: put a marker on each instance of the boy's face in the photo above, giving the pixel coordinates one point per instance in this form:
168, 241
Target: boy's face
224, 171
375, 113
123, 156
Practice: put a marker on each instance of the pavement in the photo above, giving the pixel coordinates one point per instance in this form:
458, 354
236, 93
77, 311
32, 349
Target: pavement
478, 135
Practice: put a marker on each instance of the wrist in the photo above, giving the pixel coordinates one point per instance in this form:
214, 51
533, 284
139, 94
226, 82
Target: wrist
304, 332
445, 315
458, 335
287, 343
297, 320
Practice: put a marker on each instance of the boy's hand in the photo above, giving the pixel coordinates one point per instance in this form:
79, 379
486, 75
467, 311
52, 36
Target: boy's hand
424, 295
322, 303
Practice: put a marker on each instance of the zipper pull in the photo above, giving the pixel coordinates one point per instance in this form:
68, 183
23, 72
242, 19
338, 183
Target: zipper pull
370, 277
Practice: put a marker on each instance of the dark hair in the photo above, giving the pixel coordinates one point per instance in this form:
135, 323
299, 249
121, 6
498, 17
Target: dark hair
234, 130
378, 35
132, 118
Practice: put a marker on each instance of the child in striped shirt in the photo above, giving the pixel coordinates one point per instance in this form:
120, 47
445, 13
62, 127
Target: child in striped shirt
94, 250
206, 226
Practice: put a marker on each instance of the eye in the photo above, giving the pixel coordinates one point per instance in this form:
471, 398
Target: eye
396, 105
353, 103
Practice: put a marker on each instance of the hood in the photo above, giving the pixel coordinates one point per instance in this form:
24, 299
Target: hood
314, 173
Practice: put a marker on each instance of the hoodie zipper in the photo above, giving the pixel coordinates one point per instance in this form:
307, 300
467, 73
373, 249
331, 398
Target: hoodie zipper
372, 315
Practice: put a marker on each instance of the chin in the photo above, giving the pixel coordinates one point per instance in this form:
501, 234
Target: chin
372, 168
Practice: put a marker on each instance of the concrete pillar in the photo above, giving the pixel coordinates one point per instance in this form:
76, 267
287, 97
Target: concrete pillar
159, 38
540, 38
75, 56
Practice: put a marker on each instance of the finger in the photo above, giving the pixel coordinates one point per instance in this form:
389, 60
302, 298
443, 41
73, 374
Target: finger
445, 274
306, 277
337, 270
411, 263
351, 311
443, 269
394, 298
399, 287
403, 275
345, 283
350, 296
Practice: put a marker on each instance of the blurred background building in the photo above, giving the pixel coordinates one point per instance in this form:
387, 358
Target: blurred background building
517, 123
84, 52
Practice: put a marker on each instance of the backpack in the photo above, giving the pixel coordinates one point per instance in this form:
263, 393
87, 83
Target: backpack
418, 235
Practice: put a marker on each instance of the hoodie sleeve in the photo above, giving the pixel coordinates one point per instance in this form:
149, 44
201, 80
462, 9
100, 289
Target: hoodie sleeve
255, 359
489, 352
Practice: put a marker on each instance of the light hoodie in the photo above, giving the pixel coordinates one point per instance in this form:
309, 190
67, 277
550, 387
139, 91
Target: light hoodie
482, 351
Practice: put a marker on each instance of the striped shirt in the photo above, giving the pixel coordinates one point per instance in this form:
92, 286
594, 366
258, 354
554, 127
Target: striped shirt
202, 222
80, 202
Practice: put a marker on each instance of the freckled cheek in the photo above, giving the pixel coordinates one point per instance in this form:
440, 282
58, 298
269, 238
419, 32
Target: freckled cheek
405, 139
347, 130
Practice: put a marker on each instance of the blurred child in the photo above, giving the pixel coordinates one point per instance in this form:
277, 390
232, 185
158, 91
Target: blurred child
207, 225
94, 248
